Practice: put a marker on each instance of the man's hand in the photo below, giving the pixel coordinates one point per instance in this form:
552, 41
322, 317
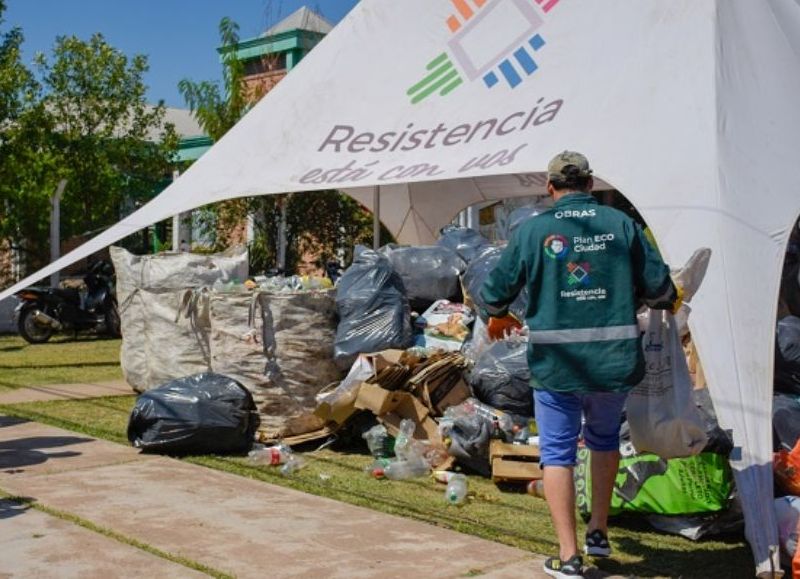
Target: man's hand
500, 328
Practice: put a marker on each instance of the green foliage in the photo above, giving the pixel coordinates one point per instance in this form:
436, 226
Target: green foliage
215, 109
85, 120
322, 223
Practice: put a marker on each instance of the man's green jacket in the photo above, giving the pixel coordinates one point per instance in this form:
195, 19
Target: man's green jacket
587, 267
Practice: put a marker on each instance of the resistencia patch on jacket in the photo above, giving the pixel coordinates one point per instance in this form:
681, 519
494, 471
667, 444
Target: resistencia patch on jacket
578, 274
556, 246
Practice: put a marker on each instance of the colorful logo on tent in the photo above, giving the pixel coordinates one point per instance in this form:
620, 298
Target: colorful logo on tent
556, 246
479, 50
578, 273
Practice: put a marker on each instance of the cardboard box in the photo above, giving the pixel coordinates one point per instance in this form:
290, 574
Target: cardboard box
514, 462
378, 400
444, 396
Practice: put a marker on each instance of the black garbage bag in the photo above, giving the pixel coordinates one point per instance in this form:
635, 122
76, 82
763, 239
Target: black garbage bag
476, 274
373, 309
501, 378
466, 242
785, 421
429, 273
200, 414
469, 442
787, 355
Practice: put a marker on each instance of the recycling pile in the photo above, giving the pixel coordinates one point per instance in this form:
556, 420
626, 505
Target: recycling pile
786, 407
186, 314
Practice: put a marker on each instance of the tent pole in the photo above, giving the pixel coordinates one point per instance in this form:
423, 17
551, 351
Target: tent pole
376, 217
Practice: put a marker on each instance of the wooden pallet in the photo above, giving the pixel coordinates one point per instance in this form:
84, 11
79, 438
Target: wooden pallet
514, 462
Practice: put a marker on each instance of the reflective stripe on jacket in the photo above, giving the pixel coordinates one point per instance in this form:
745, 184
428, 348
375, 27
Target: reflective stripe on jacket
586, 267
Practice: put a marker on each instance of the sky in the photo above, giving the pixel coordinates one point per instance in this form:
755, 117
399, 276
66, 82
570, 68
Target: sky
179, 37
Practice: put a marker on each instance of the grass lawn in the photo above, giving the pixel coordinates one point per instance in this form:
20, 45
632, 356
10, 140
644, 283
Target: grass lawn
62, 360
506, 517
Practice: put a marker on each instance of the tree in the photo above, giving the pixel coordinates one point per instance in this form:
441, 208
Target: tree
322, 224
90, 124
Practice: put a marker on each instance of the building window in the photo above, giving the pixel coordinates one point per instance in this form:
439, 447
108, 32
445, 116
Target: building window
265, 63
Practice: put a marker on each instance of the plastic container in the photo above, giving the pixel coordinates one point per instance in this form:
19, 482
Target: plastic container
292, 465
536, 488
403, 444
379, 442
272, 455
406, 469
456, 492
376, 469
443, 476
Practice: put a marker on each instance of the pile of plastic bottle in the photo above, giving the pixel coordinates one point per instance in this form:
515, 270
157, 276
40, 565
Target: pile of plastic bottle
413, 459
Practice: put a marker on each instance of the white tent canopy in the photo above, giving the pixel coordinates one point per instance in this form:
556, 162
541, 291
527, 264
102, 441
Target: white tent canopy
688, 107
415, 212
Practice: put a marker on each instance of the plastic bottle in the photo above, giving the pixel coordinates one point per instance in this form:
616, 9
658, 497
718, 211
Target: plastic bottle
272, 455
522, 435
443, 476
456, 492
376, 469
292, 465
536, 488
379, 442
405, 469
403, 447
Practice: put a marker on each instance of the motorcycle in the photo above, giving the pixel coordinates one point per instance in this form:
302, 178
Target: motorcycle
45, 311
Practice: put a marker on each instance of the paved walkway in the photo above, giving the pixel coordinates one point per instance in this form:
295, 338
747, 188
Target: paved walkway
66, 392
232, 525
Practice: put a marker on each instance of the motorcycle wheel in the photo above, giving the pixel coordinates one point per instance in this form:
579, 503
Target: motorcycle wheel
113, 323
32, 332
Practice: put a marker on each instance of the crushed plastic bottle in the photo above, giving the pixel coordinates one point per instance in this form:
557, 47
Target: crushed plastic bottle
380, 444
536, 488
443, 476
376, 469
403, 444
270, 455
456, 492
292, 465
406, 469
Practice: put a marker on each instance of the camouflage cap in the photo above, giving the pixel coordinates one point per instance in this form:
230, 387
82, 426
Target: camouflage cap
558, 166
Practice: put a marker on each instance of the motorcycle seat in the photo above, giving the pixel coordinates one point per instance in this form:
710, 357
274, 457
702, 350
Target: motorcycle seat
68, 294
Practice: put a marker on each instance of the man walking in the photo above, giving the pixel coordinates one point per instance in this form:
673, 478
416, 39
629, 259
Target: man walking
587, 268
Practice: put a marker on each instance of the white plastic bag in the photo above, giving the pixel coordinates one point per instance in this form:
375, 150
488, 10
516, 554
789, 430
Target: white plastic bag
662, 416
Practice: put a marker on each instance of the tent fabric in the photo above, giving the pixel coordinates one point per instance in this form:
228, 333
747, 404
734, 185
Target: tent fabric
687, 107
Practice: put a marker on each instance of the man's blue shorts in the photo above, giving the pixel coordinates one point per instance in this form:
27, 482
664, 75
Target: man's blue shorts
558, 417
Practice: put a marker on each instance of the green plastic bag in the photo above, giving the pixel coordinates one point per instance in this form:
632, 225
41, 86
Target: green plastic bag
647, 483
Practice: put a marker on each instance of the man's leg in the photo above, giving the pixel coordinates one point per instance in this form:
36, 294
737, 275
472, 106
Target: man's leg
558, 418
603, 414
604, 472
559, 490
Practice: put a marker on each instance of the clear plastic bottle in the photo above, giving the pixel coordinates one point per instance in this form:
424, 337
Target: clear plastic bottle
271, 455
292, 465
456, 492
376, 469
536, 488
405, 469
379, 442
443, 476
403, 444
